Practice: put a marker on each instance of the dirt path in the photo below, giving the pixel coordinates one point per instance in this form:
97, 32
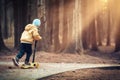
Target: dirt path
87, 74
45, 70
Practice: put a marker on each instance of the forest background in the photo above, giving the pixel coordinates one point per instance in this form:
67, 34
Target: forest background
71, 26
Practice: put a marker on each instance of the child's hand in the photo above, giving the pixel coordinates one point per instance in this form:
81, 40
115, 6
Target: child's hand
40, 37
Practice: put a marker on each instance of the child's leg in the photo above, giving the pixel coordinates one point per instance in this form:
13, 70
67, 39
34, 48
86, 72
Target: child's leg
29, 52
21, 52
19, 55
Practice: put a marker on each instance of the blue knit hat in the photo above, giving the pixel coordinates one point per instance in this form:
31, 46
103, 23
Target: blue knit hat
36, 22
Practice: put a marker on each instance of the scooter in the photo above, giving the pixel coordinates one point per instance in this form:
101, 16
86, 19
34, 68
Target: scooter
33, 64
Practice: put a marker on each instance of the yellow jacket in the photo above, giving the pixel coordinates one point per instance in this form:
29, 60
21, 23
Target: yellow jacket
30, 34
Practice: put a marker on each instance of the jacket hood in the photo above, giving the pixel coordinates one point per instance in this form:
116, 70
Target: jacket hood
29, 27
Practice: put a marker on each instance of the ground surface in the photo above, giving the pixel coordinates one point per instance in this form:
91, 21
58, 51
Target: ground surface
104, 56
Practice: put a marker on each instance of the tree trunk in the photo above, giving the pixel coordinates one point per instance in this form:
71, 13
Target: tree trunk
65, 27
2, 45
78, 26
20, 19
56, 41
93, 36
93, 29
117, 38
49, 29
108, 29
68, 27
85, 29
5, 21
99, 29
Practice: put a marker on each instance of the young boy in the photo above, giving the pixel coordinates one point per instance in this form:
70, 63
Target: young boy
29, 35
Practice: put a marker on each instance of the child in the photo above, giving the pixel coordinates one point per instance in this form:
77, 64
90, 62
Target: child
28, 36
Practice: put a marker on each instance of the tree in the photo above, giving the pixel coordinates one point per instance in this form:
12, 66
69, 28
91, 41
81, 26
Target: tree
49, 28
78, 27
56, 41
85, 29
93, 36
93, 29
65, 28
2, 45
20, 19
117, 38
99, 29
109, 28
5, 20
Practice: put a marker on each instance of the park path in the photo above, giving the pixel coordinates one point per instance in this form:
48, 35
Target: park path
45, 69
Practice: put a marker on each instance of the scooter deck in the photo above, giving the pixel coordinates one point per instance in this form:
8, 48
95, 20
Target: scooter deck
32, 65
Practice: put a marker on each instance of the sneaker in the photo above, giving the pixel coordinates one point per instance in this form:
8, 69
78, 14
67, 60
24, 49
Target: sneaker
27, 63
15, 62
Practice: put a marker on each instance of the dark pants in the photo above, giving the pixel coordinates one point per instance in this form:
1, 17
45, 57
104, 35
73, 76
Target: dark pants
25, 48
